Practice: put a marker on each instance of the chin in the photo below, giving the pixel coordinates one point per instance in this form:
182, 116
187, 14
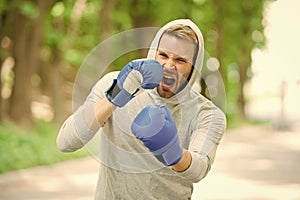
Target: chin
163, 92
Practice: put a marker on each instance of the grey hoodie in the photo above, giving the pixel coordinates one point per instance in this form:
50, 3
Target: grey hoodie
127, 169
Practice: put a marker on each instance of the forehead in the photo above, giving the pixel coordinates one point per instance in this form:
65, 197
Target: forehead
179, 46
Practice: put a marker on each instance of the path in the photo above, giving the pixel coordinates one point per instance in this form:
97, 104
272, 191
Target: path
252, 163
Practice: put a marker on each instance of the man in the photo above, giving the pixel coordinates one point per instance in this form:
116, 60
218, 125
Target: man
157, 135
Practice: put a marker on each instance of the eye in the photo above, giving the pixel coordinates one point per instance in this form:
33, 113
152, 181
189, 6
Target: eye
181, 60
163, 55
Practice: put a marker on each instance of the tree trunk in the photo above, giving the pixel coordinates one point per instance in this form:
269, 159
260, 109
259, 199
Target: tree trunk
244, 60
241, 96
105, 17
243, 64
20, 100
26, 37
141, 19
1, 61
56, 82
220, 39
4, 52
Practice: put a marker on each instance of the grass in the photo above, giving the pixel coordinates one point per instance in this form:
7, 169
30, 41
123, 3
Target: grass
237, 121
21, 149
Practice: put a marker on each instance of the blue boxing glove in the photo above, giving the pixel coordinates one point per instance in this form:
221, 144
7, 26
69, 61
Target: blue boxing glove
156, 128
137, 74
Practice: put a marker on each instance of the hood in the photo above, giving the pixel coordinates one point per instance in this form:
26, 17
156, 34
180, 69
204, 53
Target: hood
195, 78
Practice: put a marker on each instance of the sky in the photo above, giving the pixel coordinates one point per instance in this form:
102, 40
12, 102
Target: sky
279, 61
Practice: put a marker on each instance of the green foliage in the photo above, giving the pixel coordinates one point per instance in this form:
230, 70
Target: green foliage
73, 56
122, 19
73, 35
3, 6
23, 149
237, 121
58, 9
29, 10
68, 40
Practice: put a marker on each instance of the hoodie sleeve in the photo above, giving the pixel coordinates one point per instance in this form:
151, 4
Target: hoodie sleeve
209, 129
82, 125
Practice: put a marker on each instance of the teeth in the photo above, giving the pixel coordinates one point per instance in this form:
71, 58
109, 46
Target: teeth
168, 80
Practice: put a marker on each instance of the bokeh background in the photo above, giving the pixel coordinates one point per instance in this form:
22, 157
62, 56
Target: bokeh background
254, 45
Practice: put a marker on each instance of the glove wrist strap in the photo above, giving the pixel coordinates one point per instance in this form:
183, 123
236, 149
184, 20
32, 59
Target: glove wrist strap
171, 155
118, 96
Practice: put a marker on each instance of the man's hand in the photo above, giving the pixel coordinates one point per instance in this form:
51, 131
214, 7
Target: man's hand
156, 128
137, 74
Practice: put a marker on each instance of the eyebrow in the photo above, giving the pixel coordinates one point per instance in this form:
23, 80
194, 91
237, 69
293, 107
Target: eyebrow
177, 57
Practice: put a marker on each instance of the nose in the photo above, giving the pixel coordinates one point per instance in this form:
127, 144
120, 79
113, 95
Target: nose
170, 64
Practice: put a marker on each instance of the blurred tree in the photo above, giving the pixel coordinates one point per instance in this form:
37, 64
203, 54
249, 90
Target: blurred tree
59, 26
67, 37
27, 18
245, 20
51, 38
3, 46
228, 30
106, 18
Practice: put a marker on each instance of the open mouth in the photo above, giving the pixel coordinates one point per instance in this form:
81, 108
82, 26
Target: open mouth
168, 83
168, 80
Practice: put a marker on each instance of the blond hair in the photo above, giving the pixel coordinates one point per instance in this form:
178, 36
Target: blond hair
183, 32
